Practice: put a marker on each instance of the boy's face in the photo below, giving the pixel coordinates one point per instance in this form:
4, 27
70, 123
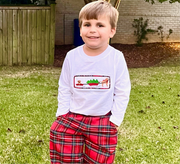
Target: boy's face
96, 33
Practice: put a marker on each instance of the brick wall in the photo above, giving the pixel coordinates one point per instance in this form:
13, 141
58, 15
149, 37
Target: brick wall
66, 12
165, 14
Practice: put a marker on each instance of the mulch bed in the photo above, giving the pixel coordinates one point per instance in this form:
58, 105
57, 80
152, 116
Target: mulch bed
149, 54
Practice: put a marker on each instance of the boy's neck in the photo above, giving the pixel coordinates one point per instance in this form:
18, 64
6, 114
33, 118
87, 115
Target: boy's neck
93, 51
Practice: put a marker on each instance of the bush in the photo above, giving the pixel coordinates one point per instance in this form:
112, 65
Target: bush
141, 30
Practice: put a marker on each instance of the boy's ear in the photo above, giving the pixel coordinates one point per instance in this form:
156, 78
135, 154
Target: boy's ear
113, 32
80, 30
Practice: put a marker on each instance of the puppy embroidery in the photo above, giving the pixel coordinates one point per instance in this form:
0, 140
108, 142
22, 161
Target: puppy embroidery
105, 81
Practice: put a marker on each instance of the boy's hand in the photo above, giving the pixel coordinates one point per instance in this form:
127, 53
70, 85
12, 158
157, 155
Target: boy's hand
117, 127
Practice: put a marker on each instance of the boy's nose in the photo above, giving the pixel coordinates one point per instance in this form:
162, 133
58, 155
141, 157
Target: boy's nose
92, 29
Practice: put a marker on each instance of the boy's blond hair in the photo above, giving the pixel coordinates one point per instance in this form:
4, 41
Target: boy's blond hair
97, 8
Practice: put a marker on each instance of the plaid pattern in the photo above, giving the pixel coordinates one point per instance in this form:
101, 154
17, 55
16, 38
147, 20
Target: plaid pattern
76, 138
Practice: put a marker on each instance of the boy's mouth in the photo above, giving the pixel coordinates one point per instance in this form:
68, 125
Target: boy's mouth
93, 37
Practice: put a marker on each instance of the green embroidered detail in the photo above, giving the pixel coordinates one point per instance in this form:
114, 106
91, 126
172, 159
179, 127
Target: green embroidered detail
92, 81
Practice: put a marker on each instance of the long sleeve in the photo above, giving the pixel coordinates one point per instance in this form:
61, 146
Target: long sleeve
64, 93
121, 92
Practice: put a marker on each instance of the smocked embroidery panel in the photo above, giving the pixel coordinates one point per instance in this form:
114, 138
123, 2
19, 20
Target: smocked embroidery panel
92, 82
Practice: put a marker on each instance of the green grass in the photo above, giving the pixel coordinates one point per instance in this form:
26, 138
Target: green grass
150, 132
28, 103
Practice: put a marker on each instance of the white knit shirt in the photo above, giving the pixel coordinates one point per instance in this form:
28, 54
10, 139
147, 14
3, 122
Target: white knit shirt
94, 85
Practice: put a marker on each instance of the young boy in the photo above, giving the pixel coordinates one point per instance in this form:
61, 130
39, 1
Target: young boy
93, 94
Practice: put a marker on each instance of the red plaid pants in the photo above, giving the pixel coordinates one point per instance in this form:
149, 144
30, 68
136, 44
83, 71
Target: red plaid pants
76, 138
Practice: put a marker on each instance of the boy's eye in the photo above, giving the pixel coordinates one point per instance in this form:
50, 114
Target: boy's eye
87, 24
100, 25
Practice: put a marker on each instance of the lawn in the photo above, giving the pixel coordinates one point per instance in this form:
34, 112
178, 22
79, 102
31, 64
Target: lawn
150, 132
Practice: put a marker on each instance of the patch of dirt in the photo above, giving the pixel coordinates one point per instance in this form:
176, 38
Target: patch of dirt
149, 54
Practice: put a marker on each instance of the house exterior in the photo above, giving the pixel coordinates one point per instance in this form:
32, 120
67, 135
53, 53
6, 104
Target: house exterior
166, 15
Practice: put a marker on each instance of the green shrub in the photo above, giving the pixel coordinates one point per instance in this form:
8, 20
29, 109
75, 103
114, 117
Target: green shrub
141, 30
